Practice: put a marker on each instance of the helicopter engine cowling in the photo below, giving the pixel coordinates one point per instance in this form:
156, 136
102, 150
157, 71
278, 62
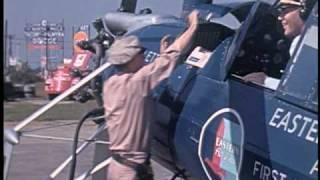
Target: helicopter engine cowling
122, 23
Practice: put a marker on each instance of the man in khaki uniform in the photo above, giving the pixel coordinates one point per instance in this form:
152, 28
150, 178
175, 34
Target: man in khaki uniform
128, 104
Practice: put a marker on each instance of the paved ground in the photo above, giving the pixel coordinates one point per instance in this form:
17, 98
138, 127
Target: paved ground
35, 159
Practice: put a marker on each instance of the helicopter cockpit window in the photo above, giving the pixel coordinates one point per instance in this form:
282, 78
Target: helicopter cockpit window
300, 83
264, 52
209, 35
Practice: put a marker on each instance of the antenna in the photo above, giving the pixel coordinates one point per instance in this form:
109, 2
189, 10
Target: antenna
128, 6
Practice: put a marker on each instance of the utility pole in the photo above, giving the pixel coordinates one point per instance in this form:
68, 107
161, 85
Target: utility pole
26, 43
10, 37
17, 50
89, 34
10, 44
63, 41
72, 40
5, 59
26, 46
47, 53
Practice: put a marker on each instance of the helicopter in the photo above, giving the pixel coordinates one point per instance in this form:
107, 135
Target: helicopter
211, 123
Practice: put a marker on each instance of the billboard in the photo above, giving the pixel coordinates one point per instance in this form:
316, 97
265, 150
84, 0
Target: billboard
44, 35
81, 33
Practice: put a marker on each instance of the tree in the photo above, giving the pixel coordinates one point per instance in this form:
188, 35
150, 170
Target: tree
24, 75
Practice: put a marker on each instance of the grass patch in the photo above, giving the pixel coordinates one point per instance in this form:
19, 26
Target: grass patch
17, 111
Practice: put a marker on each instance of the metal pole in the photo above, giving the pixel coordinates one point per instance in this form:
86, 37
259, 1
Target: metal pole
8, 149
63, 41
95, 169
18, 50
10, 139
10, 51
47, 53
65, 94
58, 170
10, 45
89, 31
72, 40
26, 46
63, 138
5, 45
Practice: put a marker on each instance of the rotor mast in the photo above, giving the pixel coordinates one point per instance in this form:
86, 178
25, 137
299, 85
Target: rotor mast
128, 6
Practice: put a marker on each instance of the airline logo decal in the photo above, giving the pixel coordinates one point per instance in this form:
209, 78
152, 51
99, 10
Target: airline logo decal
220, 145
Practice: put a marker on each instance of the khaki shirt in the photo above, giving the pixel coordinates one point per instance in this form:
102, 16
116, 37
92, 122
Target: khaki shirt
129, 106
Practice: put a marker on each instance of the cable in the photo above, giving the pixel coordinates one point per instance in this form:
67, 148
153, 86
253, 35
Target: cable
95, 111
180, 173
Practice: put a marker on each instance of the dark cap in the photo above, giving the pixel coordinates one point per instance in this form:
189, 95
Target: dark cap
284, 4
305, 5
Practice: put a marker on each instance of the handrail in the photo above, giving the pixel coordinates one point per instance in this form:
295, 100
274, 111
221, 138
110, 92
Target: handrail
95, 169
64, 164
15, 132
65, 94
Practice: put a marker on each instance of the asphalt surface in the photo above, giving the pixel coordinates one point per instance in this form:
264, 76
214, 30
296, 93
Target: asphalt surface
35, 159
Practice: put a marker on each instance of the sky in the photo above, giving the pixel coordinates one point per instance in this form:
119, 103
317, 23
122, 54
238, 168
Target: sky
72, 12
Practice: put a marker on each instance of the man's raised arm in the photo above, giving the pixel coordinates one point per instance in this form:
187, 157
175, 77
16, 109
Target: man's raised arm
183, 41
169, 54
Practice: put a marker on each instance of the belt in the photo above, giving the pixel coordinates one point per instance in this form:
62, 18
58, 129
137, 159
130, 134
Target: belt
125, 161
142, 169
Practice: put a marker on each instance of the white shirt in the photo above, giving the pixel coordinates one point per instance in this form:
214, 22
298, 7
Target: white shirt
272, 82
294, 44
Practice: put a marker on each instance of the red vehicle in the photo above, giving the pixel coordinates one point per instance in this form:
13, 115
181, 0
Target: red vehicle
67, 75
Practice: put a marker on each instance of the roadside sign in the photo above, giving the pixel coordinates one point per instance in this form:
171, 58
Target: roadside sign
44, 33
79, 36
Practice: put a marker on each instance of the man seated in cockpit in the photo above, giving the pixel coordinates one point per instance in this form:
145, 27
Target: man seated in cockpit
292, 14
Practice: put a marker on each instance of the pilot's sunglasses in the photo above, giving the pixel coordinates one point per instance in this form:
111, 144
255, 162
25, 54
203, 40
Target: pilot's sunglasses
285, 8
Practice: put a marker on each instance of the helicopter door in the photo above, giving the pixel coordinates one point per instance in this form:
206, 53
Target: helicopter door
238, 38
300, 82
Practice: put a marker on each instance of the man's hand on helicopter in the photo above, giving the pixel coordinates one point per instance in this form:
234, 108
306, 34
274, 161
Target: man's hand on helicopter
183, 42
164, 43
193, 18
193, 24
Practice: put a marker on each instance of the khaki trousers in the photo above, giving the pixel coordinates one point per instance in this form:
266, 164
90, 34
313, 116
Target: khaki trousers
117, 171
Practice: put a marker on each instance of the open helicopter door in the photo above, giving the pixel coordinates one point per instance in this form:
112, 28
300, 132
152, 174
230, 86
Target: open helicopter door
238, 39
221, 140
307, 48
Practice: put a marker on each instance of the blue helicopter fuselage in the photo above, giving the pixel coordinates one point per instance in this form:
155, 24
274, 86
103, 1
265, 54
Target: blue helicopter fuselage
214, 124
